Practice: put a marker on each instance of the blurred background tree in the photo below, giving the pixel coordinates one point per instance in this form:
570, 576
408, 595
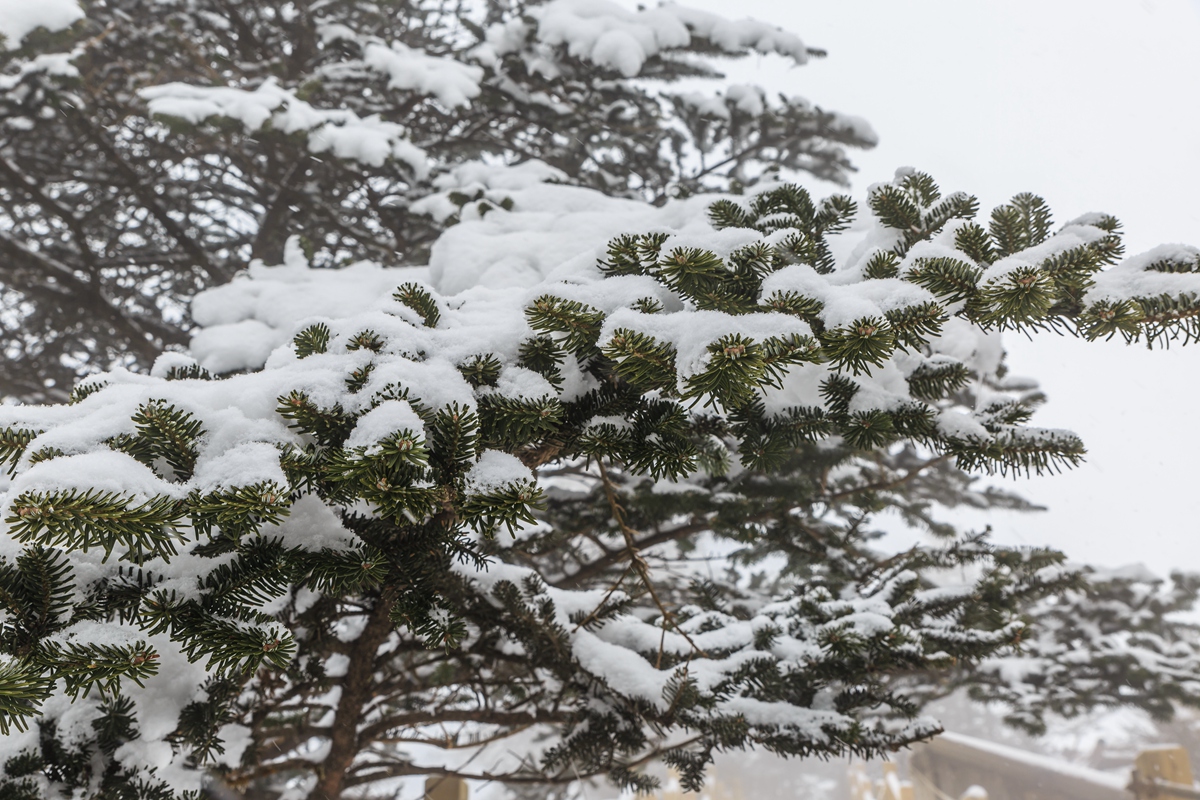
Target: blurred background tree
112, 216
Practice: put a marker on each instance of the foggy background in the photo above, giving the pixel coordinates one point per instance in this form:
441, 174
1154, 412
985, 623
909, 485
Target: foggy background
1095, 105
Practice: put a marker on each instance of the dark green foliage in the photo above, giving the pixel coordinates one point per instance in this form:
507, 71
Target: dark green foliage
358, 377
807, 308
229, 645
237, 511
577, 325
789, 207
1123, 620
329, 427
631, 254
507, 423
935, 380
542, 355
976, 242
21, 687
36, 594
199, 722
312, 340
361, 569
167, 433
638, 358
481, 370
864, 343
192, 372
365, 340
914, 326
882, 264
85, 520
895, 208
1021, 298
1024, 222
913, 206
13, 442
1174, 264
509, 506
1013, 452
948, 278
453, 443
724, 213
83, 667
421, 301
1161, 319
84, 389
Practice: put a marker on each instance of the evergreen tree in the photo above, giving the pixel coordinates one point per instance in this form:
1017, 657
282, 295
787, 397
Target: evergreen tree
150, 149
608, 505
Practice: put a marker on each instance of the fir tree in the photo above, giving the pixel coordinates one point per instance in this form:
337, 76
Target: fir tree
152, 149
575, 523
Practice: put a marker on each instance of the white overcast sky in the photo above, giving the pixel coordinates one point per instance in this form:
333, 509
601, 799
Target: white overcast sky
1095, 105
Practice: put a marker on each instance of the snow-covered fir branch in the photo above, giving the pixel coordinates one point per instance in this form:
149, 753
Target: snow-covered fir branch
490, 494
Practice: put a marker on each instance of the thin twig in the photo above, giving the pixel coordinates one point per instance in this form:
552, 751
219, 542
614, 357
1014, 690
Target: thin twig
884, 485
603, 600
641, 567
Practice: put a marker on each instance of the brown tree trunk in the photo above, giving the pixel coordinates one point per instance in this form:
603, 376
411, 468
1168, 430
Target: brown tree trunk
357, 688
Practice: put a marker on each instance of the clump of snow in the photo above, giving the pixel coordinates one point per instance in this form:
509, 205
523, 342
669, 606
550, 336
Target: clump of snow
519, 383
243, 464
197, 103
960, 426
101, 471
1133, 278
481, 188
47, 63
608, 34
496, 470
613, 36
453, 83
19, 18
312, 525
844, 303
171, 360
156, 710
369, 139
236, 346
1069, 238
389, 417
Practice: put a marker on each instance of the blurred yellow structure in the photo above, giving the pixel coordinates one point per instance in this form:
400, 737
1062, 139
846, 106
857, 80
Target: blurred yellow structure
889, 787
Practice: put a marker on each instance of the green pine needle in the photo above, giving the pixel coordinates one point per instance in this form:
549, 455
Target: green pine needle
13, 442
421, 301
864, 343
312, 340
96, 519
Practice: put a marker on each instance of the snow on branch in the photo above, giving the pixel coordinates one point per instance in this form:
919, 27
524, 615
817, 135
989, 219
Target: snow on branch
408, 442
19, 18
